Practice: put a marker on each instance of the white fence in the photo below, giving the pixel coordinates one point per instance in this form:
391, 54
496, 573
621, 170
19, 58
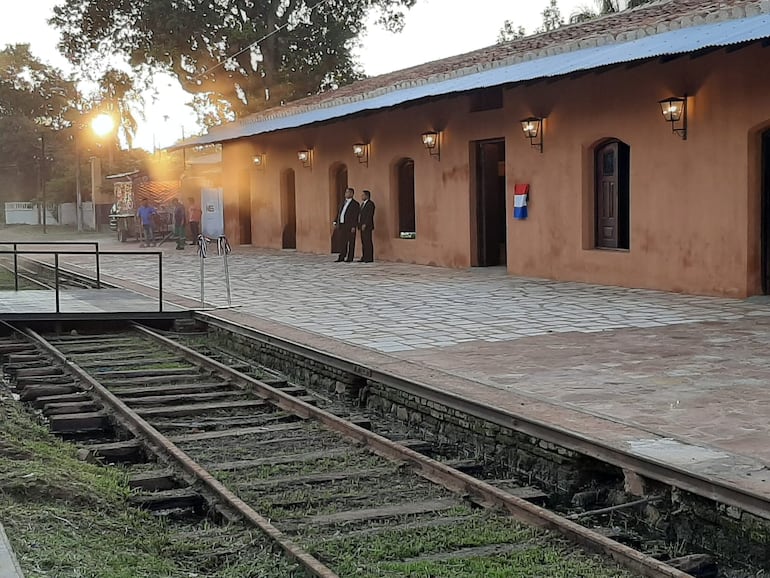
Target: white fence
68, 214
26, 213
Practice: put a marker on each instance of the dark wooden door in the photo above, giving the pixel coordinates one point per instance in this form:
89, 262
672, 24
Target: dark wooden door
407, 222
244, 207
289, 211
765, 235
490, 203
338, 185
607, 184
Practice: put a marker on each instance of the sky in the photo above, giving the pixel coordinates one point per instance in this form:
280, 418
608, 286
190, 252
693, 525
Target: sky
434, 29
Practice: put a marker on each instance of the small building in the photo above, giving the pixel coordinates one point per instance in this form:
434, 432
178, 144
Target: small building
640, 142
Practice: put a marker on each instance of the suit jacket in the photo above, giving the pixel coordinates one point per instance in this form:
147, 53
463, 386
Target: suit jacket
366, 215
351, 215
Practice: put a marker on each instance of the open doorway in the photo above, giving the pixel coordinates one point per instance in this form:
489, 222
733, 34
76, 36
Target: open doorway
337, 184
244, 207
490, 203
765, 169
288, 210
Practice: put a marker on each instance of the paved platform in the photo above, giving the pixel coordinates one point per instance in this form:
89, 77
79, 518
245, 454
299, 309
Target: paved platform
40, 305
680, 380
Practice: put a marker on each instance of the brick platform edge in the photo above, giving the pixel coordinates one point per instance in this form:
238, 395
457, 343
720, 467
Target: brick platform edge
9, 566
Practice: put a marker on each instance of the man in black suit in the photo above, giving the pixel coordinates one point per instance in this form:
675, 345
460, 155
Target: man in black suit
347, 223
366, 224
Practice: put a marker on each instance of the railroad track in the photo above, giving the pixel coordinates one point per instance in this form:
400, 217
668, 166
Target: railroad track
250, 445
33, 279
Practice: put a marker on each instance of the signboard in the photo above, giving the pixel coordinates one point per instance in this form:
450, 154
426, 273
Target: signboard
213, 218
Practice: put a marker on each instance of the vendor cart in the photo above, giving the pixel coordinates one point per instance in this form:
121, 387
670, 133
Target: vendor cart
127, 227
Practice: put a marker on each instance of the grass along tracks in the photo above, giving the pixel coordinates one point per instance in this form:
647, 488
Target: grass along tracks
356, 503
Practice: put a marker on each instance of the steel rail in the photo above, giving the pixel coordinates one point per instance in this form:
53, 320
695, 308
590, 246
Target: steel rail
435, 471
669, 474
143, 429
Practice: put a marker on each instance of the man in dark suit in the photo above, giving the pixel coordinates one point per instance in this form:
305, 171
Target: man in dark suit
347, 223
366, 224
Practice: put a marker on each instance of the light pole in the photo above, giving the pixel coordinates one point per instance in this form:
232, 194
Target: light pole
78, 201
102, 124
42, 173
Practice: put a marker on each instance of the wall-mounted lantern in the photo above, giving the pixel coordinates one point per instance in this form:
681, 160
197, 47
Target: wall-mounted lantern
259, 161
674, 110
533, 128
361, 152
306, 158
432, 142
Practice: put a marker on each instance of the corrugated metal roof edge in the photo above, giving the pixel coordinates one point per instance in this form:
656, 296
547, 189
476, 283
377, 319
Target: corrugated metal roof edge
733, 31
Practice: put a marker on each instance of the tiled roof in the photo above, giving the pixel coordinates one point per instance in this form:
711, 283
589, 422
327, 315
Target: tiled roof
157, 192
648, 20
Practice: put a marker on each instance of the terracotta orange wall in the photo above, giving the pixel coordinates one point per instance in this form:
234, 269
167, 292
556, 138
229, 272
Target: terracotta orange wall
235, 159
693, 208
694, 203
442, 213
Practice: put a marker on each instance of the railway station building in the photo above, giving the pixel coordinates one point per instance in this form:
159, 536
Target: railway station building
639, 143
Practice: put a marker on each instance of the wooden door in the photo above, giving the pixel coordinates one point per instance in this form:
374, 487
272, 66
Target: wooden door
244, 207
765, 233
490, 203
339, 183
607, 185
289, 211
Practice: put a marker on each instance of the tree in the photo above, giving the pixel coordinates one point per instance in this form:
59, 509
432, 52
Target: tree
586, 13
34, 100
509, 32
552, 18
117, 96
235, 56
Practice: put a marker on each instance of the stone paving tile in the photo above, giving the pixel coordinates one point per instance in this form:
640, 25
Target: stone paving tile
440, 305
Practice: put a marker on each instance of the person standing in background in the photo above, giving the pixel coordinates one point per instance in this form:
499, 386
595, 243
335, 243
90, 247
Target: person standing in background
194, 215
366, 224
180, 217
146, 214
347, 224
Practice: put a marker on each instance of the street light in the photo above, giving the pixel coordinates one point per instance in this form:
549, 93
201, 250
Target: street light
102, 125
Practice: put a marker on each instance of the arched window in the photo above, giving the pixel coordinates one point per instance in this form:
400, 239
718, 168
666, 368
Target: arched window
613, 202
405, 197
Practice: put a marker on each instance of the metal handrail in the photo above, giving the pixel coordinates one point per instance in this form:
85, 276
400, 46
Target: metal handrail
56, 253
82, 243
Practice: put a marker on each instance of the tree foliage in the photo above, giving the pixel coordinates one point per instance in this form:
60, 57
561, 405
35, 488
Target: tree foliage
42, 114
34, 99
510, 32
552, 17
604, 7
118, 97
236, 56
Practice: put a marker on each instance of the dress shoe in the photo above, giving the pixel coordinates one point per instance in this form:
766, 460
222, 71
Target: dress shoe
339, 260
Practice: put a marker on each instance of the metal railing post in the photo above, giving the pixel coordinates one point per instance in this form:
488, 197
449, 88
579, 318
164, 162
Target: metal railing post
160, 282
56, 278
223, 248
98, 267
15, 267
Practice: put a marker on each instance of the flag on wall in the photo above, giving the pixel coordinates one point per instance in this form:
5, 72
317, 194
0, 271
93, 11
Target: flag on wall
520, 200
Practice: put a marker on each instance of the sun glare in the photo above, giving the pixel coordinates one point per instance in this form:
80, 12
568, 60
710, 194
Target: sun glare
102, 124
